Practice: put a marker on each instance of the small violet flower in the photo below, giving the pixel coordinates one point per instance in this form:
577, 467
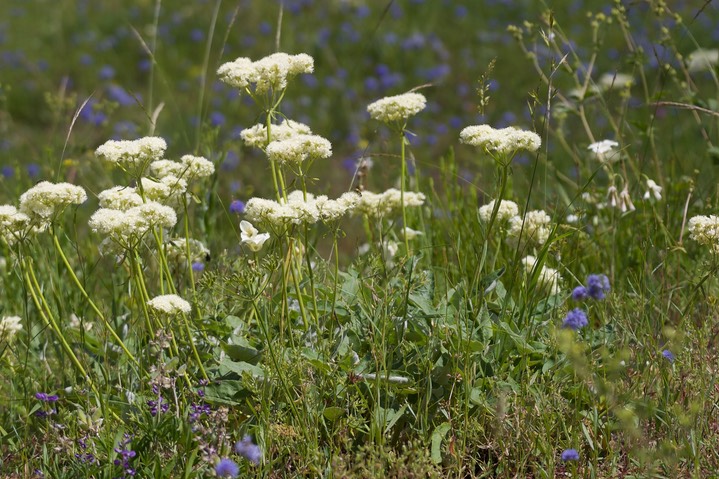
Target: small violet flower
45, 397
570, 455
227, 468
237, 207
597, 286
580, 293
576, 319
668, 355
247, 449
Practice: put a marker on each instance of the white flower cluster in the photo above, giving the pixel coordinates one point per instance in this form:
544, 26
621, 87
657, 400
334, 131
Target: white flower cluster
379, 205
13, 224
702, 59
9, 326
548, 279
272, 71
507, 210
169, 304
533, 228
41, 202
653, 190
132, 153
299, 148
167, 191
395, 108
256, 136
126, 227
177, 251
615, 81
298, 210
251, 237
188, 168
705, 230
119, 198
503, 141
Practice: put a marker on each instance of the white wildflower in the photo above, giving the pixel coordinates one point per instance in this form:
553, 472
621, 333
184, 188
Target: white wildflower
299, 148
507, 210
119, 198
256, 136
705, 230
410, 234
389, 250
13, 224
169, 304
396, 108
534, 227
271, 72
251, 237
615, 81
605, 150
163, 168
548, 279
379, 205
9, 327
122, 226
502, 141
132, 153
702, 60
196, 166
45, 199
654, 190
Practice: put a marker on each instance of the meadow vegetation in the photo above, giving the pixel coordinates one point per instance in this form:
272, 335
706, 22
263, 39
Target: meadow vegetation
401, 238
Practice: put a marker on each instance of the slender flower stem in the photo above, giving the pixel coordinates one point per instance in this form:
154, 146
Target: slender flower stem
401, 193
92, 304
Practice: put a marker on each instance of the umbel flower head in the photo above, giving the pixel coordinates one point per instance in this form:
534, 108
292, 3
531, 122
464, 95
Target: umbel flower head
299, 148
380, 205
9, 326
503, 141
126, 227
397, 108
256, 136
44, 200
271, 72
705, 230
169, 304
548, 279
507, 210
533, 228
132, 153
13, 224
300, 208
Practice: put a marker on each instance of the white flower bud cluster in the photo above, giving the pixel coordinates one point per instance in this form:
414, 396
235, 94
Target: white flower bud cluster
705, 230
119, 198
13, 224
169, 304
132, 153
271, 72
534, 228
9, 327
127, 227
503, 141
396, 108
548, 279
44, 200
507, 210
379, 205
299, 148
299, 209
256, 136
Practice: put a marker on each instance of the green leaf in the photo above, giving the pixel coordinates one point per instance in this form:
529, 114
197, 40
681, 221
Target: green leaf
333, 413
241, 350
240, 367
438, 435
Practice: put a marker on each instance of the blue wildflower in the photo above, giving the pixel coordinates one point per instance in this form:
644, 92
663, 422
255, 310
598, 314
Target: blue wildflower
45, 397
247, 449
33, 169
8, 171
576, 319
198, 266
580, 293
570, 455
237, 207
227, 468
668, 355
597, 286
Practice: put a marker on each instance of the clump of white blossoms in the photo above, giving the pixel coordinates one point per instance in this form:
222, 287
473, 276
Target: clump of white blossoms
615, 81
396, 108
503, 141
251, 237
44, 200
132, 153
534, 227
196, 167
271, 72
177, 250
300, 208
507, 210
126, 227
653, 189
13, 224
163, 168
256, 136
119, 198
168, 190
702, 59
620, 199
605, 150
705, 230
299, 148
379, 205
169, 304
9, 327
548, 279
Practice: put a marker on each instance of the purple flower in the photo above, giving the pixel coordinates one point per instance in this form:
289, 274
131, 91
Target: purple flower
45, 397
597, 286
247, 449
580, 293
33, 169
227, 468
198, 266
576, 319
668, 355
570, 455
8, 171
237, 207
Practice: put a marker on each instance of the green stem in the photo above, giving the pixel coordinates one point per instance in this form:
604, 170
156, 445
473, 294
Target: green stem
401, 193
